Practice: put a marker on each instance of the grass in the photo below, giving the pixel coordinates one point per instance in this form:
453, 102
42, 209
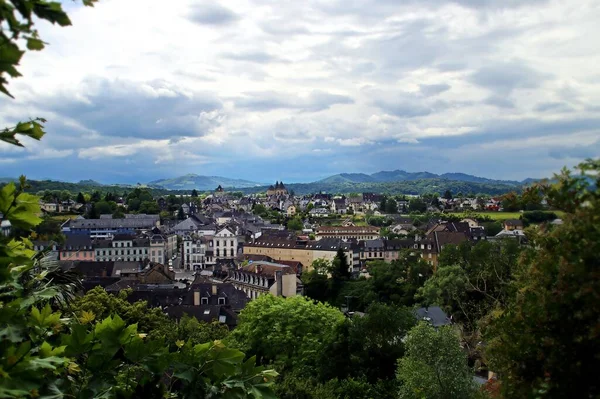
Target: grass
500, 216
62, 218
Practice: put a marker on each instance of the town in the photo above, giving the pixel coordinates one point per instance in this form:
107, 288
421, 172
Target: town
254, 244
299, 200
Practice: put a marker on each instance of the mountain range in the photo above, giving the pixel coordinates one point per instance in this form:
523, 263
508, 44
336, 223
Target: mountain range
203, 183
401, 175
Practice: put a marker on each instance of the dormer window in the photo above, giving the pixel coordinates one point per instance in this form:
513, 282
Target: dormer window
204, 301
221, 301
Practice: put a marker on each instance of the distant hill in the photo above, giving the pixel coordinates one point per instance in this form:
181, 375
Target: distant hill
202, 183
413, 187
89, 182
348, 178
402, 175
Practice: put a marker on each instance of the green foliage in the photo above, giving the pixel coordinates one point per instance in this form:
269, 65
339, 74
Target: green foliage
398, 281
435, 366
44, 354
536, 217
417, 205
375, 341
473, 279
287, 332
295, 224
545, 342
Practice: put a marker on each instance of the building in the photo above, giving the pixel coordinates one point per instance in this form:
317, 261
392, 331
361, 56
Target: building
106, 228
338, 205
513, 224
219, 192
77, 248
122, 247
277, 189
225, 244
372, 250
304, 252
194, 253
348, 232
291, 210
261, 278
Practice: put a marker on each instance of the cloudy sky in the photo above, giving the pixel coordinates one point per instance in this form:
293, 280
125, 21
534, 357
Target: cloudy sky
298, 90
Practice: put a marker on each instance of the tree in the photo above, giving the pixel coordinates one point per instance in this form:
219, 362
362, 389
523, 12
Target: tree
180, 214
391, 206
383, 203
43, 354
104, 208
288, 332
472, 279
92, 212
149, 207
96, 196
417, 205
435, 366
340, 269
448, 194
194, 193
119, 213
375, 340
511, 202
295, 224
546, 343
80, 198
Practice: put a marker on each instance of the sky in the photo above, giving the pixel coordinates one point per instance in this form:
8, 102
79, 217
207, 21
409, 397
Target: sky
265, 90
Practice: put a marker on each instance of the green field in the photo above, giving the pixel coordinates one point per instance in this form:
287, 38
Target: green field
62, 218
500, 216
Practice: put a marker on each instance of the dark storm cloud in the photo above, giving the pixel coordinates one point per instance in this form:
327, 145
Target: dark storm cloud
268, 100
126, 109
212, 14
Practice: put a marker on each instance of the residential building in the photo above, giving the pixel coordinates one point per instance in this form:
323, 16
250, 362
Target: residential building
348, 232
122, 247
225, 244
372, 250
77, 248
261, 278
194, 253
338, 205
291, 210
513, 224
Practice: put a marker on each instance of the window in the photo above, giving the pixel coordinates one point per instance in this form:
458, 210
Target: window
221, 301
204, 301
429, 246
217, 243
429, 256
231, 251
153, 253
218, 253
231, 243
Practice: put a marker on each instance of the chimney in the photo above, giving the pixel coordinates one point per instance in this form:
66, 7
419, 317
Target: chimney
214, 289
279, 281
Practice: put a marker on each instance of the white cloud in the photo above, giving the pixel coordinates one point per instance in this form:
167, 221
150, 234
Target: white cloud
208, 83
